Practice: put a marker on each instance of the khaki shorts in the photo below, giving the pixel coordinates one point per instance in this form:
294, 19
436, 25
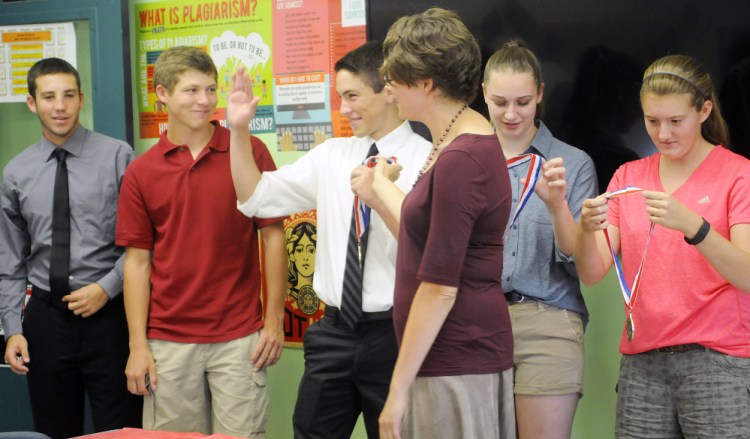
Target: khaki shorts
207, 388
548, 352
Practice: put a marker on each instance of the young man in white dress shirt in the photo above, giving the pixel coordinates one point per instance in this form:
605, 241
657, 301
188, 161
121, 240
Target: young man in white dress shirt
347, 367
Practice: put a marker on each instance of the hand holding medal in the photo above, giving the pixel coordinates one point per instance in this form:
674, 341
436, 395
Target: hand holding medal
362, 210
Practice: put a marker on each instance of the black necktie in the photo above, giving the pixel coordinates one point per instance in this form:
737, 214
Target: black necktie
351, 297
59, 261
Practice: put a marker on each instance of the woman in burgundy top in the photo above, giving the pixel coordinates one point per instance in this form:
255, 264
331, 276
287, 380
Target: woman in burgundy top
453, 375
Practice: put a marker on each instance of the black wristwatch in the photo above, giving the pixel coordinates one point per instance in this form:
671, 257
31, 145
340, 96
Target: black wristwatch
701, 235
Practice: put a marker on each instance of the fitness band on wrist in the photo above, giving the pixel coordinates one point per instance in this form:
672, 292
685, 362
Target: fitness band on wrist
701, 235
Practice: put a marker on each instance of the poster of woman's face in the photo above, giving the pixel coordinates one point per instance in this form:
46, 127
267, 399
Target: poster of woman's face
303, 307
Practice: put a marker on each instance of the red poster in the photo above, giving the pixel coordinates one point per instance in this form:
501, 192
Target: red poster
303, 307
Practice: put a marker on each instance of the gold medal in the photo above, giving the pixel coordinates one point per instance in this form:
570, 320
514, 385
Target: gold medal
630, 327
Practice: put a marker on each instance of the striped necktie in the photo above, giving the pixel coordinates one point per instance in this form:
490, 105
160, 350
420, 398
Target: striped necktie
356, 248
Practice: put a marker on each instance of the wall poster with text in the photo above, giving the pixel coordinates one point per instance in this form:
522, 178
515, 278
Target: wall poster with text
289, 48
22, 45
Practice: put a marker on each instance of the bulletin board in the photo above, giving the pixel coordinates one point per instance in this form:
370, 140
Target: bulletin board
23, 45
289, 48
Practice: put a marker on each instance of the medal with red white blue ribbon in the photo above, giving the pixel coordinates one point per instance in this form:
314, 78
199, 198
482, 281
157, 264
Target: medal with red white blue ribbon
629, 294
362, 210
532, 176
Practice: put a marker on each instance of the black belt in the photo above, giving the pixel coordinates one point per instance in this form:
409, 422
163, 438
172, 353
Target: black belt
333, 312
678, 349
47, 297
515, 297
57, 303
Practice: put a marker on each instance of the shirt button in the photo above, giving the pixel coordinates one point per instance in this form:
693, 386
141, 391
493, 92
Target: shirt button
70, 277
182, 148
513, 254
515, 199
507, 278
515, 227
192, 168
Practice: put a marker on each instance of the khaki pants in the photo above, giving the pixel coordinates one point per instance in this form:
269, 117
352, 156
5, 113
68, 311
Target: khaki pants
207, 388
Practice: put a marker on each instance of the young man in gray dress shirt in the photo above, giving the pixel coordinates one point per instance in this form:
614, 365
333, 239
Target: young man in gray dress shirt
76, 335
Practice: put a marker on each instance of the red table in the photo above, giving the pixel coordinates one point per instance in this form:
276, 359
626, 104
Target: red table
136, 433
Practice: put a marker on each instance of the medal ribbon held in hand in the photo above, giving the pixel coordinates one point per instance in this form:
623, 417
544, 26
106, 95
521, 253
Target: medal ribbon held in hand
532, 176
362, 210
628, 294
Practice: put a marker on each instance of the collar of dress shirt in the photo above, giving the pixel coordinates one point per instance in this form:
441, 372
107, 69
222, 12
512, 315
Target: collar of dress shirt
391, 143
216, 142
542, 143
72, 146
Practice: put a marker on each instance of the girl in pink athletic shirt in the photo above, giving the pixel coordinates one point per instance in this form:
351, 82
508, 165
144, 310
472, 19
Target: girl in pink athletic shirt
685, 370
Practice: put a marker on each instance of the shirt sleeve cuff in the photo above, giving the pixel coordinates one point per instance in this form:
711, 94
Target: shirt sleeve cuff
251, 206
12, 325
112, 284
12, 329
562, 257
11, 303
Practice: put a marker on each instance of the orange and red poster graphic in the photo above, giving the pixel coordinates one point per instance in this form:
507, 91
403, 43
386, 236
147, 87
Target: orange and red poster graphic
303, 307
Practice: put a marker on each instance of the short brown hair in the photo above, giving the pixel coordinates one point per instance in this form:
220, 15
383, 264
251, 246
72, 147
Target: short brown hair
365, 61
434, 44
177, 60
50, 66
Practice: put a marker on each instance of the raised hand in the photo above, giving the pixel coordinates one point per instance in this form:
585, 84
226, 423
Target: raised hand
241, 102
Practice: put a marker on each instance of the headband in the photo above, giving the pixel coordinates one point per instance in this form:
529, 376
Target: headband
700, 92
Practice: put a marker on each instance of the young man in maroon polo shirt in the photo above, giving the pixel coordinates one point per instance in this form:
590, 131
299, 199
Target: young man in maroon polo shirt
198, 343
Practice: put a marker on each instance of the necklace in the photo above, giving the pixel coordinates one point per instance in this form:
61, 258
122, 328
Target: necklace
434, 152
